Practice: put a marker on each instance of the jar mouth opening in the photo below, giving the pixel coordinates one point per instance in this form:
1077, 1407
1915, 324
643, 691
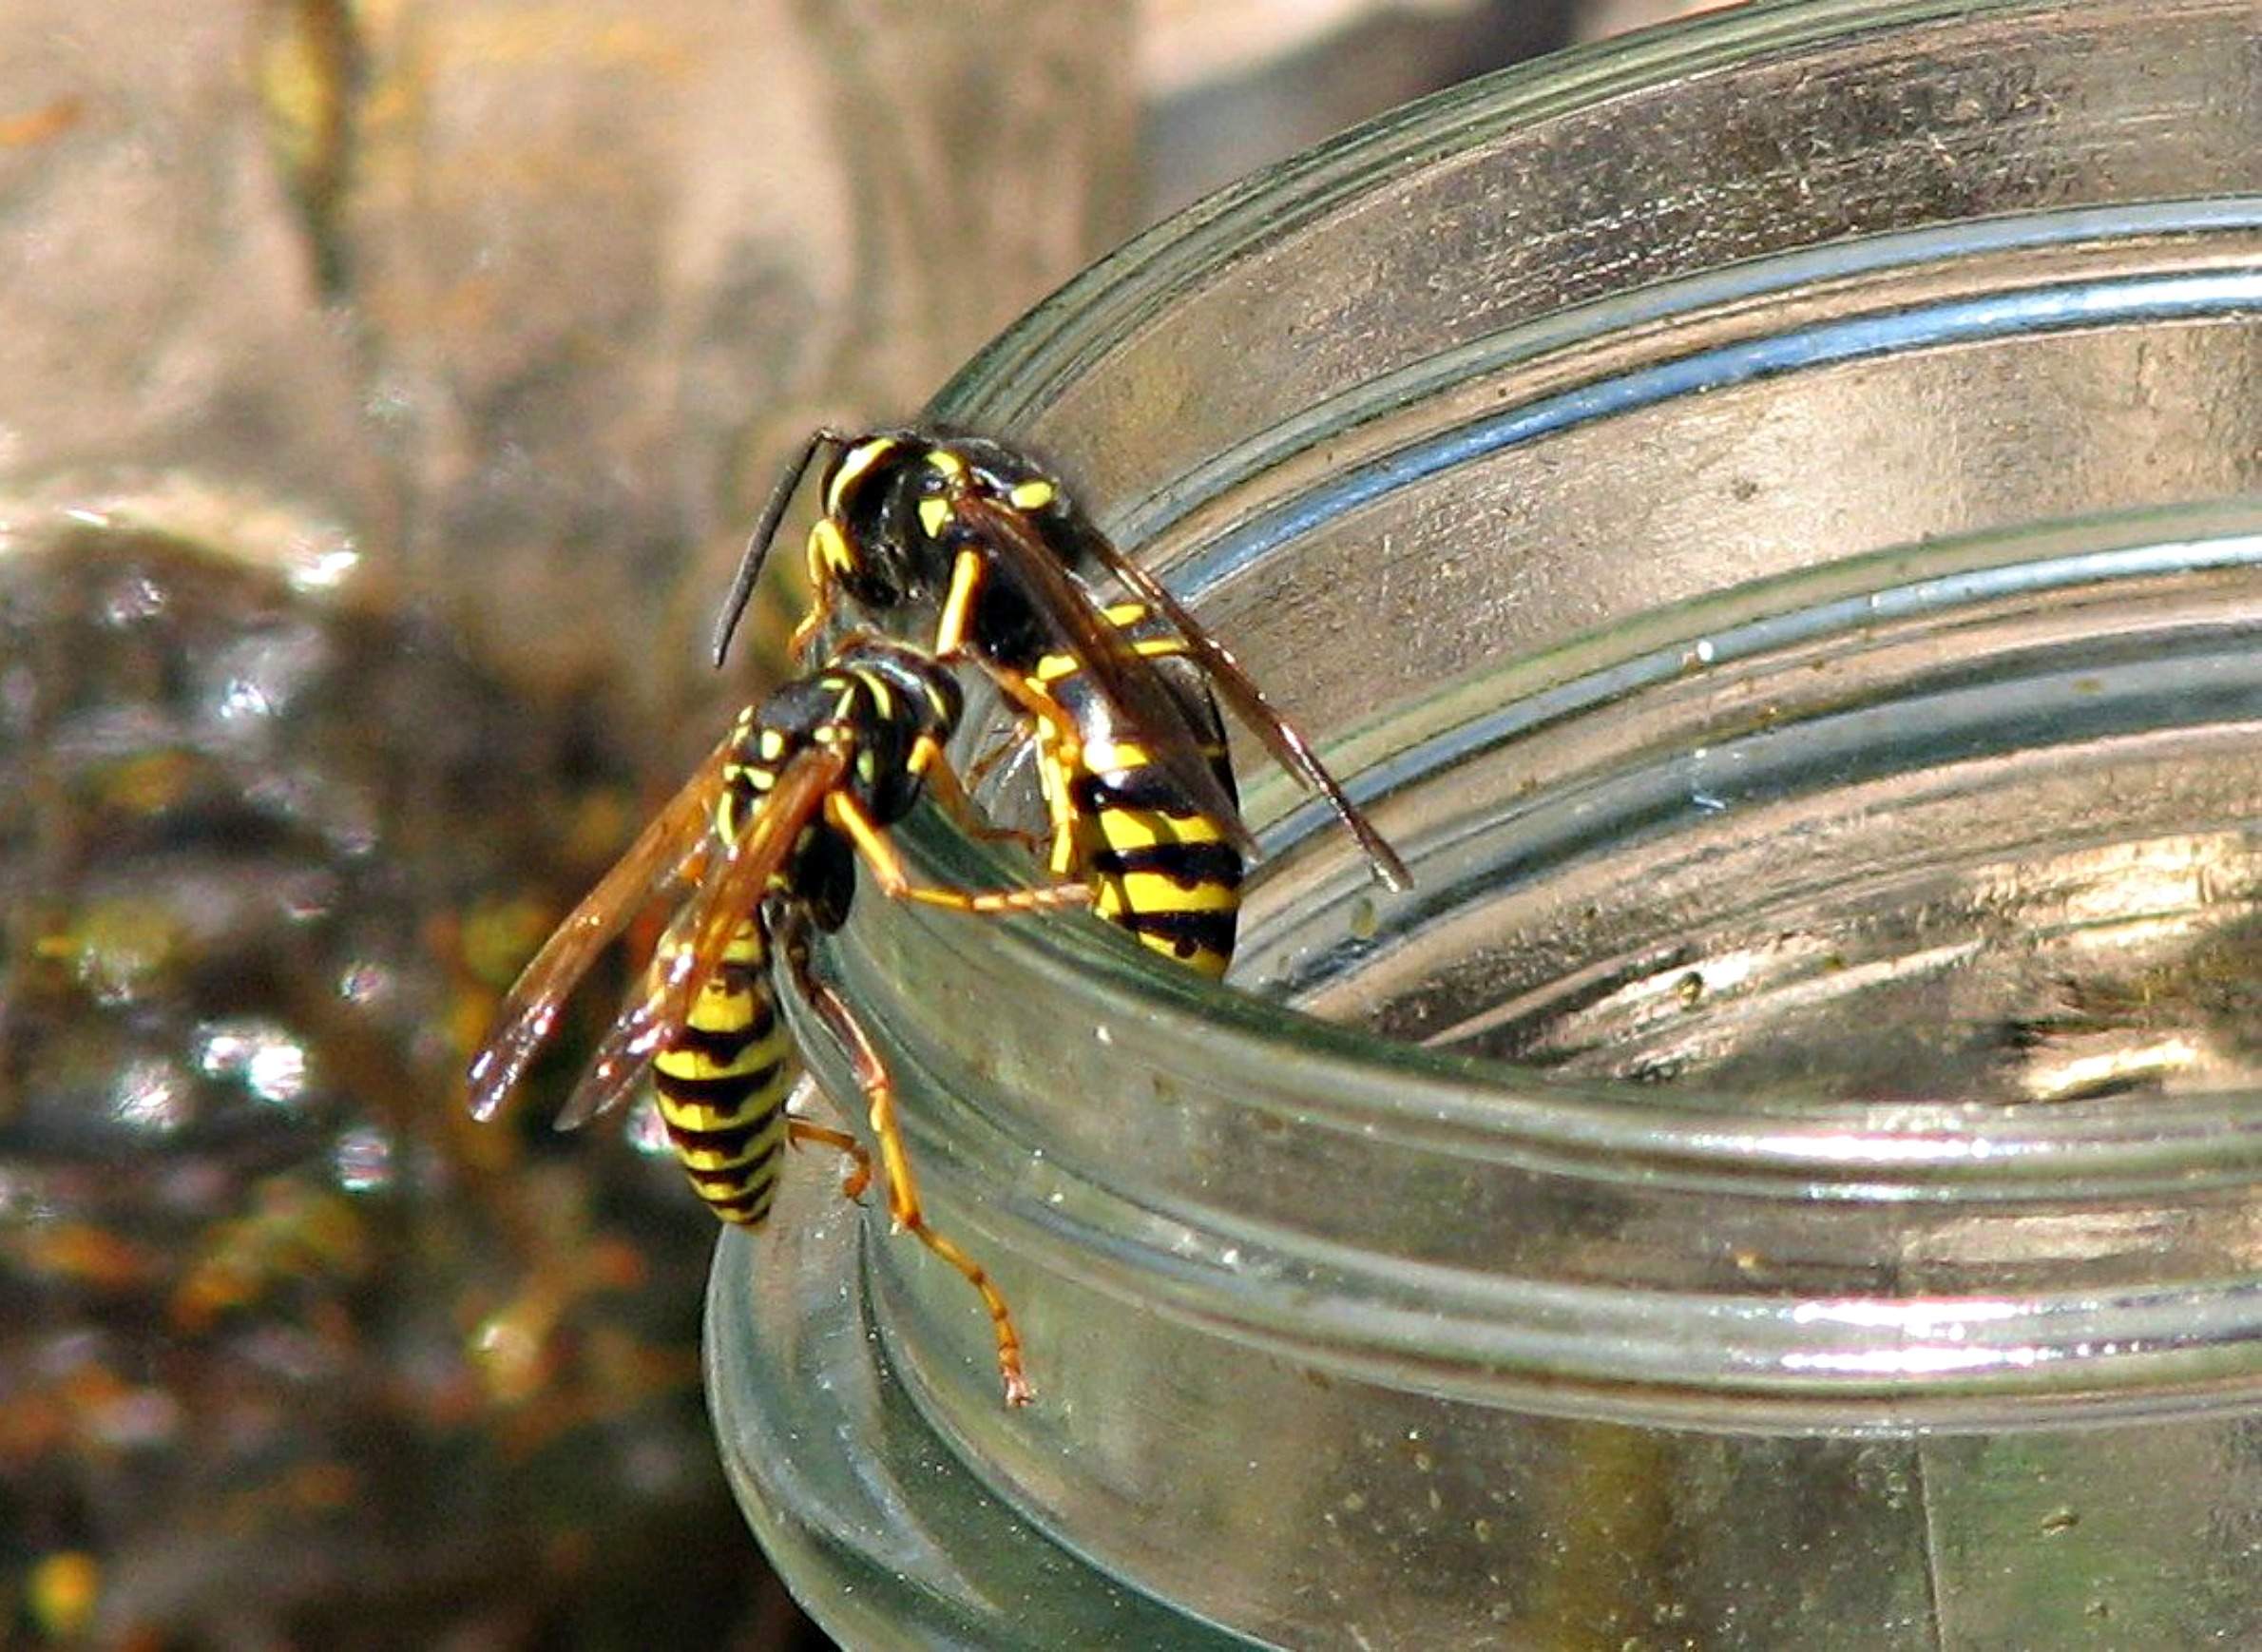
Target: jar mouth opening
1384, 434
1801, 312
1697, 319
1212, 1210
1874, 1364
1695, 1130
2024, 1285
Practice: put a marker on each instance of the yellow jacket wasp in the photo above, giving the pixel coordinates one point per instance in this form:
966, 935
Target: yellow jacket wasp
914, 519
765, 836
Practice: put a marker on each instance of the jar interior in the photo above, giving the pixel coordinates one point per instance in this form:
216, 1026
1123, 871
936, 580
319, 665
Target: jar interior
1924, 827
1771, 537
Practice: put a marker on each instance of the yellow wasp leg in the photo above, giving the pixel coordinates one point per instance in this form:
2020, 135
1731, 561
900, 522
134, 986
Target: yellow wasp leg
949, 792
859, 1172
1052, 717
950, 644
846, 814
958, 603
903, 1193
979, 769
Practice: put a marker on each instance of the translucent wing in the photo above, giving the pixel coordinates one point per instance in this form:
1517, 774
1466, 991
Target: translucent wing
729, 894
667, 851
1281, 737
1126, 679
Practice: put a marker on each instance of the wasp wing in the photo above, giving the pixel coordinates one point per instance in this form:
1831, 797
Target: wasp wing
729, 894
1281, 737
1135, 690
667, 851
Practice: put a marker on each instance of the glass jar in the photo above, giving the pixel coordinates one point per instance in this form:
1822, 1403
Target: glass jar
1768, 513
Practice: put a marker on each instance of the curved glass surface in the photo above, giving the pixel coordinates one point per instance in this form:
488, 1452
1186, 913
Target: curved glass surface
1768, 514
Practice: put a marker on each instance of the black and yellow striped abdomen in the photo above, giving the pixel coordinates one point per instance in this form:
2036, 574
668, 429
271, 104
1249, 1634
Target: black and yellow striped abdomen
761, 849
722, 1080
1157, 866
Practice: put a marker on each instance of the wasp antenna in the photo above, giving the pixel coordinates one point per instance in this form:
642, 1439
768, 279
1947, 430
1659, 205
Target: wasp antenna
765, 530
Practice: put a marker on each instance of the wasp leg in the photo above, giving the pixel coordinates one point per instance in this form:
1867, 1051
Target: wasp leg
903, 1192
1060, 745
950, 791
1056, 783
859, 1172
1051, 734
1051, 717
958, 604
950, 643
845, 813
979, 769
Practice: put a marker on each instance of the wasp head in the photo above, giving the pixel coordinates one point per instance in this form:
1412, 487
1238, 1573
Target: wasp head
886, 517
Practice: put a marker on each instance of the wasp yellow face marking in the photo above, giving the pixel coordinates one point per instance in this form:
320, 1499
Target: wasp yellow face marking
771, 746
853, 463
934, 515
947, 465
829, 547
1032, 495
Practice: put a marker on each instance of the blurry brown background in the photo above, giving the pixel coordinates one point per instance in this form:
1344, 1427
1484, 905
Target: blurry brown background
384, 388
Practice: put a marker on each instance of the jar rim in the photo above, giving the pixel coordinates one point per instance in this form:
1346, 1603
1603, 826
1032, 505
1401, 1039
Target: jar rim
1209, 1207
1899, 1148
1003, 387
1689, 1134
